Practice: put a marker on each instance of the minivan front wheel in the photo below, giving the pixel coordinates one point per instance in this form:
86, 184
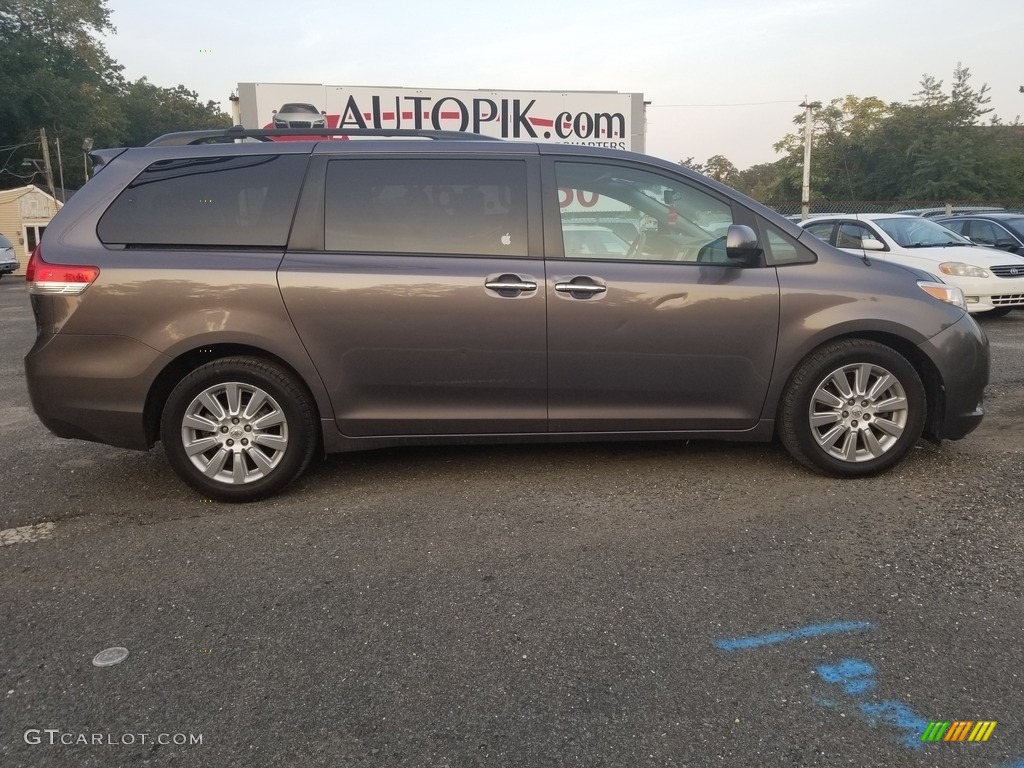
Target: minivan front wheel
853, 408
238, 429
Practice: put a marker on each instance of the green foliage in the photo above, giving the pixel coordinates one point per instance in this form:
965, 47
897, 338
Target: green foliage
152, 111
56, 74
717, 167
934, 148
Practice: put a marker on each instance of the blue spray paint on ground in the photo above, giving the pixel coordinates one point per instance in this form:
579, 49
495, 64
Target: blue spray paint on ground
785, 636
854, 675
898, 715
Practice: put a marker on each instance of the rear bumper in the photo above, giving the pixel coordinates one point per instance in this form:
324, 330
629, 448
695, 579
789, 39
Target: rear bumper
961, 355
93, 387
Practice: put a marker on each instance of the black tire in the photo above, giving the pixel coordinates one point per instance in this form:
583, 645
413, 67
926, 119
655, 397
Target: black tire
263, 429
852, 436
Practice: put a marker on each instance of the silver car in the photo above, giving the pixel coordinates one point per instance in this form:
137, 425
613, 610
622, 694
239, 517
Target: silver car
295, 115
8, 263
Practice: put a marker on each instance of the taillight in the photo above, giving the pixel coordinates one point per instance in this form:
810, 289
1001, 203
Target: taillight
57, 279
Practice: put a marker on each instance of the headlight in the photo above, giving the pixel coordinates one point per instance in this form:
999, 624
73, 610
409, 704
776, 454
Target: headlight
960, 269
947, 293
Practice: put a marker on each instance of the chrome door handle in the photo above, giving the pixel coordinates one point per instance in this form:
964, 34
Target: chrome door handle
587, 289
511, 285
579, 288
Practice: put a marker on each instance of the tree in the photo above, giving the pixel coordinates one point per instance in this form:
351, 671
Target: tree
770, 182
933, 148
55, 73
152, 111
717, 167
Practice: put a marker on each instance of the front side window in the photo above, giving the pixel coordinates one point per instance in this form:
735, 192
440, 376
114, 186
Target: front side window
781, 249
613, 212
428, 206
986, 233
853, 235
244, 201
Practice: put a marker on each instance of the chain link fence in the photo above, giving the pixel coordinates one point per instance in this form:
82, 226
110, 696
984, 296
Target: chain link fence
928, 208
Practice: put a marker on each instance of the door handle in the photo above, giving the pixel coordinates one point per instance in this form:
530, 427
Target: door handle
580, 287
509, 285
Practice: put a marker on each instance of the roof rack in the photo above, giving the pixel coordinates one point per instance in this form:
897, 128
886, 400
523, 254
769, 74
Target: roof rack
220, 135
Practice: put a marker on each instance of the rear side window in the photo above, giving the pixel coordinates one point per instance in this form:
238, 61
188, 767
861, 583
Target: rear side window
428, 206
821, 230
960, 227
245, 201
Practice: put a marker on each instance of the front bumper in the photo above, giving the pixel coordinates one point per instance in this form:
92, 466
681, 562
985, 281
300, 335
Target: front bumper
960, 354
987, 293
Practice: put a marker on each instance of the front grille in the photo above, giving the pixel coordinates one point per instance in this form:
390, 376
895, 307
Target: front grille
300, 124
1012, 270
1009, 300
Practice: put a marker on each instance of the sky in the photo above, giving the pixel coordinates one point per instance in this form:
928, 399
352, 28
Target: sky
723, 76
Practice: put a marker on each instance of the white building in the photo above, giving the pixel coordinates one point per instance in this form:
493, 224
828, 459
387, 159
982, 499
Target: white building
24, 214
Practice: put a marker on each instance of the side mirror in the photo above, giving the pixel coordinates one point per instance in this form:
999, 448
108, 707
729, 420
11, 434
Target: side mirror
741, 245
323, 112
273, 111
870, 244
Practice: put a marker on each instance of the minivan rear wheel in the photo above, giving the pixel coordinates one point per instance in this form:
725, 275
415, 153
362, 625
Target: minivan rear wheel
239, 429
852, 408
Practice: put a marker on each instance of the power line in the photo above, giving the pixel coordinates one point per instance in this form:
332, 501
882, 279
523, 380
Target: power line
736, 104
14, 148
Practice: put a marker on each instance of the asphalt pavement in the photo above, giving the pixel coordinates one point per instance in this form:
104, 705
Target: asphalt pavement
650, 604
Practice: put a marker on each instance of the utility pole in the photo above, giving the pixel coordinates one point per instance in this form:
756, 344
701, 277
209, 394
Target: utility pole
46, 162
86, 149
60, 169
805, 195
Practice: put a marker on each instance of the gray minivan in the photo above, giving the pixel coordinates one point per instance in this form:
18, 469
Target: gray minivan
249, 304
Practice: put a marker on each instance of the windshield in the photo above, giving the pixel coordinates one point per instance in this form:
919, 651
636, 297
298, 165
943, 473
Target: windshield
1015, 225
307, 109
915, 232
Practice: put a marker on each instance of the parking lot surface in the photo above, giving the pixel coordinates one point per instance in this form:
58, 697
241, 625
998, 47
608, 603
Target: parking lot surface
651, 604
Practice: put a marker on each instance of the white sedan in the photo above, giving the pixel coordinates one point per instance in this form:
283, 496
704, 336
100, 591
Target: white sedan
992, 281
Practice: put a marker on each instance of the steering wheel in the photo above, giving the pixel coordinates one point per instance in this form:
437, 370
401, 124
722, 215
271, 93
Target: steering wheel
636, 247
